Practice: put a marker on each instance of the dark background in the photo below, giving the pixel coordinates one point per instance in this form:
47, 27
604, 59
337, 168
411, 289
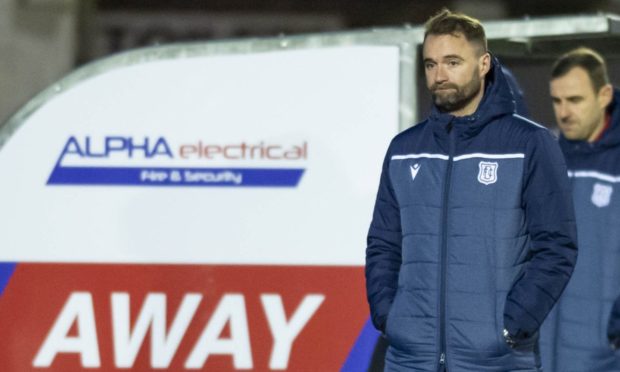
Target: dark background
111, 26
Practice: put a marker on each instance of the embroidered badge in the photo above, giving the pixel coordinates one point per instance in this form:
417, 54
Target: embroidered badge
601, 195
488, 172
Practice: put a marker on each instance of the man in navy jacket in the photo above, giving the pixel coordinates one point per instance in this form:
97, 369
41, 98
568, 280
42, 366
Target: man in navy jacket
473, 237
580, 330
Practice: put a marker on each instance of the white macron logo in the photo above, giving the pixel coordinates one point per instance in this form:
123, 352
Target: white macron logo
414, 170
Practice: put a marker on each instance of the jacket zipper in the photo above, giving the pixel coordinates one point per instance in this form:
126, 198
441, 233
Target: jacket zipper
443, 258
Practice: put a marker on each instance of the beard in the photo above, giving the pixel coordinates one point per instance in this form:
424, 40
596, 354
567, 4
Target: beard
450, 97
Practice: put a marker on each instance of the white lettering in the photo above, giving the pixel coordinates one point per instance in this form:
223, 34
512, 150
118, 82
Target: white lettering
230, 309
79, 307
127, 340
152, 315
213, 177
153, 176
284, 333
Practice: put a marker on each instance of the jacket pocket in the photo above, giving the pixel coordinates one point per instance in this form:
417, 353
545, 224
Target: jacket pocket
390, 317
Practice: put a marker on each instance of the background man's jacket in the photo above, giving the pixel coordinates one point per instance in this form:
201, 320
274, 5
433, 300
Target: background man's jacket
574, 337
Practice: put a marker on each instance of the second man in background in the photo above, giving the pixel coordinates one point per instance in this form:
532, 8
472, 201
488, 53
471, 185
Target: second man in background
580, 333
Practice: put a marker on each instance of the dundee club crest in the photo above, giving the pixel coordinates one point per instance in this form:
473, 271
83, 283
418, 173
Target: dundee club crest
488, 172
601, 195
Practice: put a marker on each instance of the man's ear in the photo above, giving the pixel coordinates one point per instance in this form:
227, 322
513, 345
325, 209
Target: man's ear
484, 64
605, 95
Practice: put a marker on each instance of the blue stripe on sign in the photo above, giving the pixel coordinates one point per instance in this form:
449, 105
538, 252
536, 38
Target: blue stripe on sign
361, 354
6, 271
220, 177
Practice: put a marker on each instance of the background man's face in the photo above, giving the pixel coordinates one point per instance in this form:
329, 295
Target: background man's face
578, 110
453, 74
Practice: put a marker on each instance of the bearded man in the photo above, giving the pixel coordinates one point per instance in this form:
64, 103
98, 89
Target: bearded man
473, 234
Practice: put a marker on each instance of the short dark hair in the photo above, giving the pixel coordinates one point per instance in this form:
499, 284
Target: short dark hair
586, 58
448, 23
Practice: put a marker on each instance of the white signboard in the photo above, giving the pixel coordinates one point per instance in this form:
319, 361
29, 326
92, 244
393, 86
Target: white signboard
240, 183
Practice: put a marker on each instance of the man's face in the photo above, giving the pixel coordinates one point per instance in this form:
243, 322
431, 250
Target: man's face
579, 110
455, 70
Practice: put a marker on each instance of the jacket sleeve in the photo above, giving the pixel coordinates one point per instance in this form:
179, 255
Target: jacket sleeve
550, 220
613, 328
383, 252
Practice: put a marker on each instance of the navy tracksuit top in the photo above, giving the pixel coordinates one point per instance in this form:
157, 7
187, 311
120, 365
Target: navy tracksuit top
473, 230
574, 337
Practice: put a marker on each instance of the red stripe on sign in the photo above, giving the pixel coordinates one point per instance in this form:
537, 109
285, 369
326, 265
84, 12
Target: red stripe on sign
73, 317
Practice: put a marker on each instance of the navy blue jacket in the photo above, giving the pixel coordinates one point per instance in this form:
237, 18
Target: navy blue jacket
473, 231
613, 329
574, 338
517, 93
